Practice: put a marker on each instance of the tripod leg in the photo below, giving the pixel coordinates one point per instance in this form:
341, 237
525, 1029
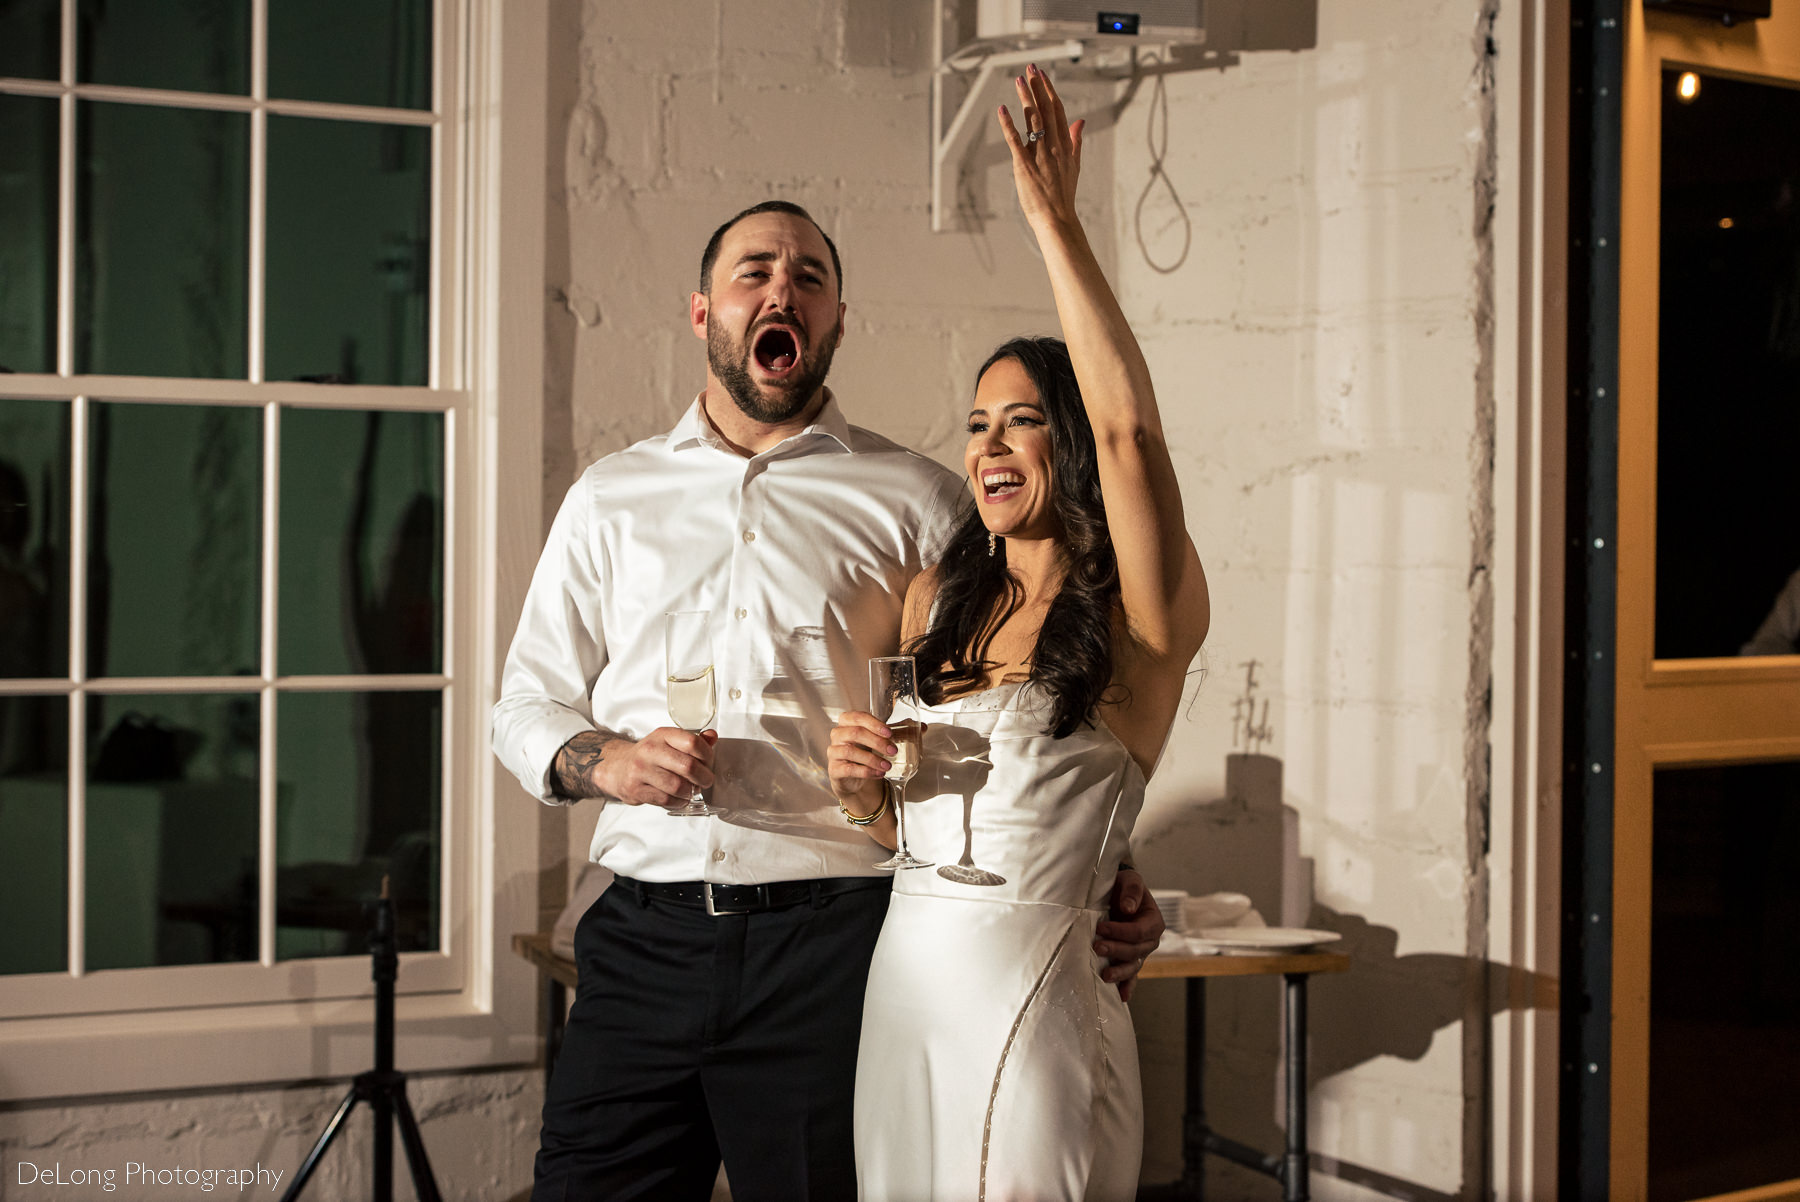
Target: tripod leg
318, 1150
424, 1184
383, 1102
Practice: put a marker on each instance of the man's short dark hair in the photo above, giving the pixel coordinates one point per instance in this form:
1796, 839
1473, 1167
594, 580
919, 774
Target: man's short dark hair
711, 255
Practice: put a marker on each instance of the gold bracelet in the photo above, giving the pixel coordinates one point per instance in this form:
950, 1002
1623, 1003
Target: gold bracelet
869, 819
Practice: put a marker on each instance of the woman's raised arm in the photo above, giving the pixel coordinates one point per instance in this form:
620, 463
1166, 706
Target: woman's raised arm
1161, 584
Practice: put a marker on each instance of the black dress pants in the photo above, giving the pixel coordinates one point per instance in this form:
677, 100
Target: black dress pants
695, 1037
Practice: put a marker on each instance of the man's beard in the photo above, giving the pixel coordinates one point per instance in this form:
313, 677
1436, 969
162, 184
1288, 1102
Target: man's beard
730, 362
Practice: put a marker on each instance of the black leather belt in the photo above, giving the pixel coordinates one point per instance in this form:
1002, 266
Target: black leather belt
750, 899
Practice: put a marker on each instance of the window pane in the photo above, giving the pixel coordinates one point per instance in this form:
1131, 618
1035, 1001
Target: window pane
175, 528
1725, 980
197, 46
351, 51
360, 780
34, 540
27, 231
161, 241
1727, 549
171, 830
349, 262
34, 830
362, 546
31, 39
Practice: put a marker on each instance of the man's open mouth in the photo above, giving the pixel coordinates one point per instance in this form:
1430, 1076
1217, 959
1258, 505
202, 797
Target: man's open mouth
776, 350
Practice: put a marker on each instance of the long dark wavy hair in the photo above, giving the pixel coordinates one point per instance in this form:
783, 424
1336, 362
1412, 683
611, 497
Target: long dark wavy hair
1073, 659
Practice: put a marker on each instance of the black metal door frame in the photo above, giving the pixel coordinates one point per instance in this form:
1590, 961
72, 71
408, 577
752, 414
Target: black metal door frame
1596, 58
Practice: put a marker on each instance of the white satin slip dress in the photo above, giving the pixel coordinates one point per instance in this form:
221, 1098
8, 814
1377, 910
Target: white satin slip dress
995, 1064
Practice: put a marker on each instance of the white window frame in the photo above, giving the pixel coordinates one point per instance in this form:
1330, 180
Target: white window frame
79, 1033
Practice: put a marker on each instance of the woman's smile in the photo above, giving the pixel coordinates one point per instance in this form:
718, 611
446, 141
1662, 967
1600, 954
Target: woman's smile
1008, 456
1000, 483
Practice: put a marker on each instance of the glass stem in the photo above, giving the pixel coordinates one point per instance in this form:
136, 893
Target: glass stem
900, 814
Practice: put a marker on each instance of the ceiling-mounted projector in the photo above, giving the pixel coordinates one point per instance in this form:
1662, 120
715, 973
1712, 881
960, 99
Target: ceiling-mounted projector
1142, 20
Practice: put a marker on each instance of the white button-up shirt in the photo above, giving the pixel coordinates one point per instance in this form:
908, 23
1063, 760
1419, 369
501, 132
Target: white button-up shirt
803, 554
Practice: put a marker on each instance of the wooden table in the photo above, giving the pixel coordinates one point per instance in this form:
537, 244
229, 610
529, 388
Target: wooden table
1197, 1137
559, 976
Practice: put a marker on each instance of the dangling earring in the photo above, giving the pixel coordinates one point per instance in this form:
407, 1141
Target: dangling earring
991, 541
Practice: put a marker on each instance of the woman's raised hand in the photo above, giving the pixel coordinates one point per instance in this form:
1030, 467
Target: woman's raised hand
1046, 157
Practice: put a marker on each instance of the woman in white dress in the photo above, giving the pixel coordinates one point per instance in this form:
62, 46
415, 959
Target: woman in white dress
1052, 643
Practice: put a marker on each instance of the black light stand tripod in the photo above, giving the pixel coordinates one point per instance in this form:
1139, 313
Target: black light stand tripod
382, 1087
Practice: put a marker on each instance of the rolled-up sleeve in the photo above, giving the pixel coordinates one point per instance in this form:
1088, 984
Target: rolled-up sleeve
546, 689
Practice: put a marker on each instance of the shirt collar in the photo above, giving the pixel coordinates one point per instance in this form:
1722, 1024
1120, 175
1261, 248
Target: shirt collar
694, 430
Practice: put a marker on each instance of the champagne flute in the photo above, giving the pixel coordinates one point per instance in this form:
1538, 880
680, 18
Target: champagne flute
893, 683
693, 702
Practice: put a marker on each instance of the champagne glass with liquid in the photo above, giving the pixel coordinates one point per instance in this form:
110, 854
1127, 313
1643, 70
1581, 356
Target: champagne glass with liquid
893, 685
693, 702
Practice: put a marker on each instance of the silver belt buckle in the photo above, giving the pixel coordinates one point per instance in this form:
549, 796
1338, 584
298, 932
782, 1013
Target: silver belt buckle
762, 891
712, 909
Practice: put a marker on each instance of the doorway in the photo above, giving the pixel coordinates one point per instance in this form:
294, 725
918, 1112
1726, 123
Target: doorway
1705, 931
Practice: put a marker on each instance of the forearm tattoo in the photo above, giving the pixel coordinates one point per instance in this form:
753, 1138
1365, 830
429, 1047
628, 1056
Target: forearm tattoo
575, 764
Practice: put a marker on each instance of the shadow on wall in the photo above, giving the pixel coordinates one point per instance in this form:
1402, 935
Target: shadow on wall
1234, 26
1388, 1004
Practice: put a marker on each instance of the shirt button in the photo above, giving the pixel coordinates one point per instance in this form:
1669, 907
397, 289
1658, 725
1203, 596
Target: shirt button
749, 536
718, 856
742, 614
736, 693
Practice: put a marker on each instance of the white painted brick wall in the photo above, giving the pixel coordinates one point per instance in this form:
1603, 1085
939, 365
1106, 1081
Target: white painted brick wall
480, 1134
1316, 356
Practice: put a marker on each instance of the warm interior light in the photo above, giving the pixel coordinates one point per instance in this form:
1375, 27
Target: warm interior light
1688, 86
1725, 223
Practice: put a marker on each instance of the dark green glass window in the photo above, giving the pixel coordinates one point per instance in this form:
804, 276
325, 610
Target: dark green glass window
157, 212
171, 830
375, 52
34, 834
360, 777
31, 39
349, 251
1724, 982
28, 152
161, 251
194, 46
175, 539
362, 546
34, 540
1728, 369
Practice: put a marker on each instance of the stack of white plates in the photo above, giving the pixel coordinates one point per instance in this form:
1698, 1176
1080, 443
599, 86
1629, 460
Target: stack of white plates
1172, 902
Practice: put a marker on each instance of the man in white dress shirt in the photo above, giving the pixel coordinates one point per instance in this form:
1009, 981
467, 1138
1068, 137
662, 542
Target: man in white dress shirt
722, 974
